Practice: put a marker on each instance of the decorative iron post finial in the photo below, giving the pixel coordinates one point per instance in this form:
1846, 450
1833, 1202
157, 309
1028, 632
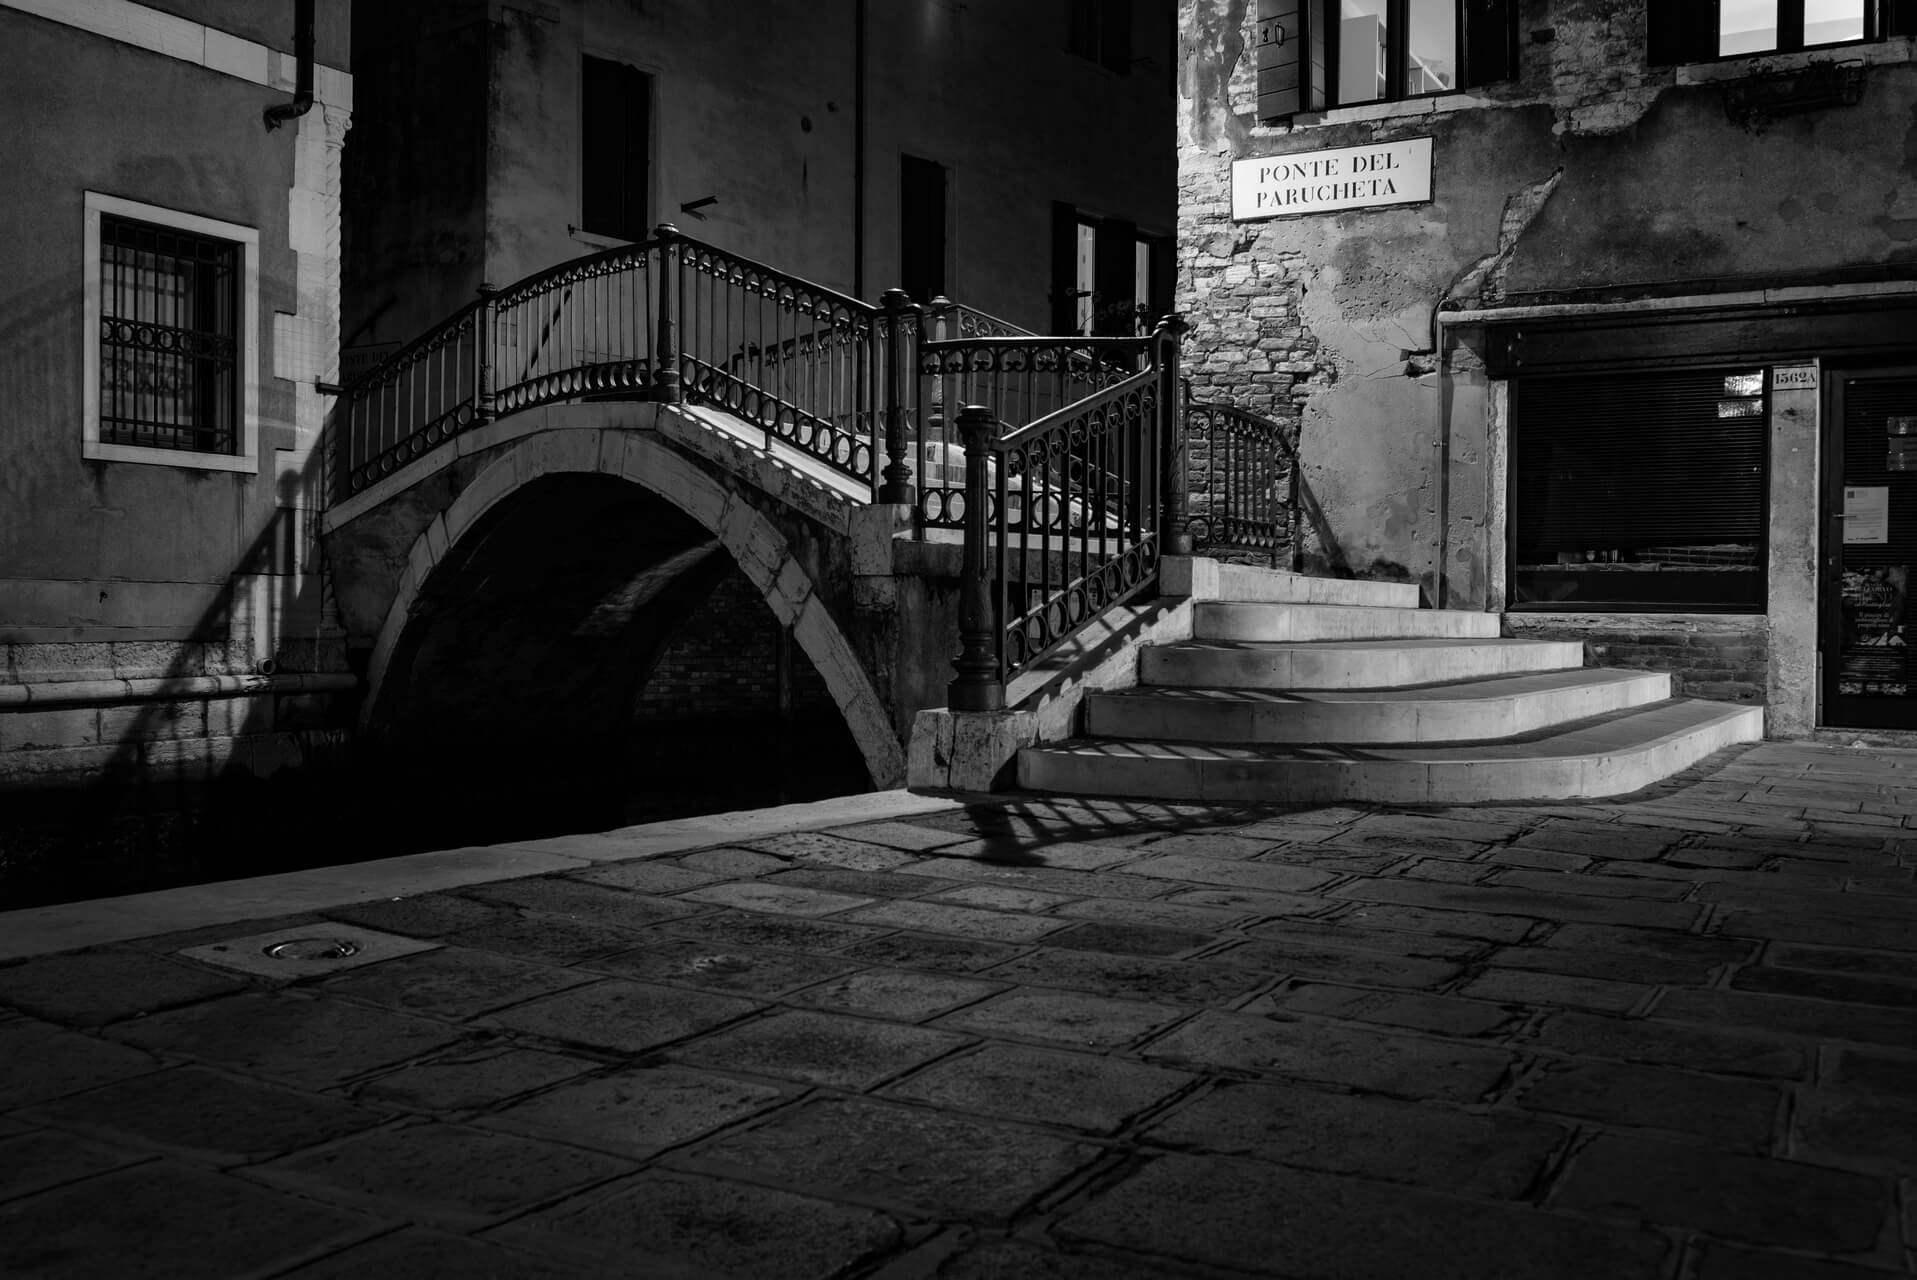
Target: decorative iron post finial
901, 331
483, 403
978, 685
665, 365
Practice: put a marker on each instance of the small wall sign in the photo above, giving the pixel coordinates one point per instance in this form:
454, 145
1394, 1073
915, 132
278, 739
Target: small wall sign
1369, 177
1866, 513
1794, 377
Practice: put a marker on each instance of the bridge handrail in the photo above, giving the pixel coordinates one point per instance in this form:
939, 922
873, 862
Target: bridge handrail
1250, 500
1066, 516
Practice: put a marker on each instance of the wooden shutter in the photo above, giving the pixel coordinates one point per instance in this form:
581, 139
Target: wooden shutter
1115, 44
1490, 42
1637, 459
1289, 53
1164, 279
1682, 31
1064, 267
615, 144
1114, 274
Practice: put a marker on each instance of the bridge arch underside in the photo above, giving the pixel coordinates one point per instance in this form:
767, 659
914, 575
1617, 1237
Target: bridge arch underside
586, 656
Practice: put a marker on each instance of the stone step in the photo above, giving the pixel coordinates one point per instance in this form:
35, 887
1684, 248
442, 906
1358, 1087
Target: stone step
1249, 584
1610, 755
1349, 664
1275, 623
1461, 711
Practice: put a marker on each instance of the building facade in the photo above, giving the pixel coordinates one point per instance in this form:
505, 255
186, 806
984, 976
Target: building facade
172, 315
1003, 154
1601, 315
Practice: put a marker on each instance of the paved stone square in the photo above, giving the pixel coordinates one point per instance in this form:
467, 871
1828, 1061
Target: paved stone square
1672, 1036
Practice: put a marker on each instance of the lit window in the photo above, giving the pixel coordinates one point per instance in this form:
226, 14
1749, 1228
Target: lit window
1312, 54
1686, 31
171, 310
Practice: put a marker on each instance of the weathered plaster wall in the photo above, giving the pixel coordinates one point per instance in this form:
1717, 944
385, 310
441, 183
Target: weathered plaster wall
1589, 168
109, 551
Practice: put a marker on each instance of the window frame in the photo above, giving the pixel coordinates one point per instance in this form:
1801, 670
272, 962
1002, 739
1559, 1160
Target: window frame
1685, 32
648, 219
245, 458
1316, 37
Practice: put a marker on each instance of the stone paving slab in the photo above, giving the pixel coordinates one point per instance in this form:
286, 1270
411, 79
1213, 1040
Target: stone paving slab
1671, 1036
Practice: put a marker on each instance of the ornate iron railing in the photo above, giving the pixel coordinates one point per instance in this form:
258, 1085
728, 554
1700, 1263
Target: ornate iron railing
667, 319
1065, 517
1019, 380
1074, 471
1245, 499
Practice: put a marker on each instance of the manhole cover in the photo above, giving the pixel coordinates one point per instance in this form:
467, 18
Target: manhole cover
313, 949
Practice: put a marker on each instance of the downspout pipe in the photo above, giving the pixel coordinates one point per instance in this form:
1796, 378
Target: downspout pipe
302, 102
858, 149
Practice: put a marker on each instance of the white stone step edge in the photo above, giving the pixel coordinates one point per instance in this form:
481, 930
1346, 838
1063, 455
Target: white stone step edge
1433, 718
1189, 775
1361, 665
1281, 623
1203, 578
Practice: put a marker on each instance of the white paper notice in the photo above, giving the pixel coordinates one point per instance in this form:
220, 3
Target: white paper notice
1867, 514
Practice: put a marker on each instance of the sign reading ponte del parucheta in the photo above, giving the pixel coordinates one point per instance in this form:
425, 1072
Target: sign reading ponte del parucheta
1383, 173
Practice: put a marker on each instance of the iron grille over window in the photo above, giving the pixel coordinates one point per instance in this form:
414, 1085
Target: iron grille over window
169, 338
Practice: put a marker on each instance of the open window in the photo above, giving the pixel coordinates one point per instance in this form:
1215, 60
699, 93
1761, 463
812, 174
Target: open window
1316, 54
1702, 30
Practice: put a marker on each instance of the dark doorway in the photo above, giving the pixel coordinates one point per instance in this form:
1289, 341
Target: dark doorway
1870, 545
921, 228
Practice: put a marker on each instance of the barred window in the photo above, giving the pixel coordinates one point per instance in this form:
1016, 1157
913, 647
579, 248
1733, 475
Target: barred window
169, 341
172, 355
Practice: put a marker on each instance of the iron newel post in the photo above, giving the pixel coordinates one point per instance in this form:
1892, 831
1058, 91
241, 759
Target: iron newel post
483, 405
900, 315
1175, 531
978, 686
665, 366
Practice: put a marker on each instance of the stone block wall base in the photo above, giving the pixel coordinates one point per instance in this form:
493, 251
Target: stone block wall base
968, 750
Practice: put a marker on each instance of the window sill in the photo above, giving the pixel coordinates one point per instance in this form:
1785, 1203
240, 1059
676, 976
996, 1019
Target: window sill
1405, 109
1875, 53
99, 451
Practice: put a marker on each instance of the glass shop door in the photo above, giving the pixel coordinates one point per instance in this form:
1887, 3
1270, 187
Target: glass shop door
1870, 550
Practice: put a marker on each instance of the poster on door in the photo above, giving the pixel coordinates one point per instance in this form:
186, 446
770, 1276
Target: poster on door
1875, 661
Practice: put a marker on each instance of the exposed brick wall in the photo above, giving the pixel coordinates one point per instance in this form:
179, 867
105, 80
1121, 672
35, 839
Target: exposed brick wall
707, 733
1722, 658
724, 662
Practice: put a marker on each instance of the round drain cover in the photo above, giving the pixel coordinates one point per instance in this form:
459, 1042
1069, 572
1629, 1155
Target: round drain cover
313, 949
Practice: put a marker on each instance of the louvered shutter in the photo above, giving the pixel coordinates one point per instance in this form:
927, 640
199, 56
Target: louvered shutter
1627, 461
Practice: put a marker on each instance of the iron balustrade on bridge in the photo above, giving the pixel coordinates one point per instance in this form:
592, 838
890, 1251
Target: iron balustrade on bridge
1074, 481
1249, 502
667, 319
1067, 516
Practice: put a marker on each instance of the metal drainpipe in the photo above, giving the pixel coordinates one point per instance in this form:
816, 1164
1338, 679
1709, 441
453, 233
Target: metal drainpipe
302, 102
858, 149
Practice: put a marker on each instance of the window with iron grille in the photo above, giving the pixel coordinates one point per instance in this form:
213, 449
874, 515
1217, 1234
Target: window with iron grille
1313, 55
171, 314
169, 339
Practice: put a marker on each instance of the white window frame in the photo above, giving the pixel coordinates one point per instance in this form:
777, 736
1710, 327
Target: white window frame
247, 364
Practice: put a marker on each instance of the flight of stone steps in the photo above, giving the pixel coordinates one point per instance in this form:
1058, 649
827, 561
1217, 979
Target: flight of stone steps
1310, 689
